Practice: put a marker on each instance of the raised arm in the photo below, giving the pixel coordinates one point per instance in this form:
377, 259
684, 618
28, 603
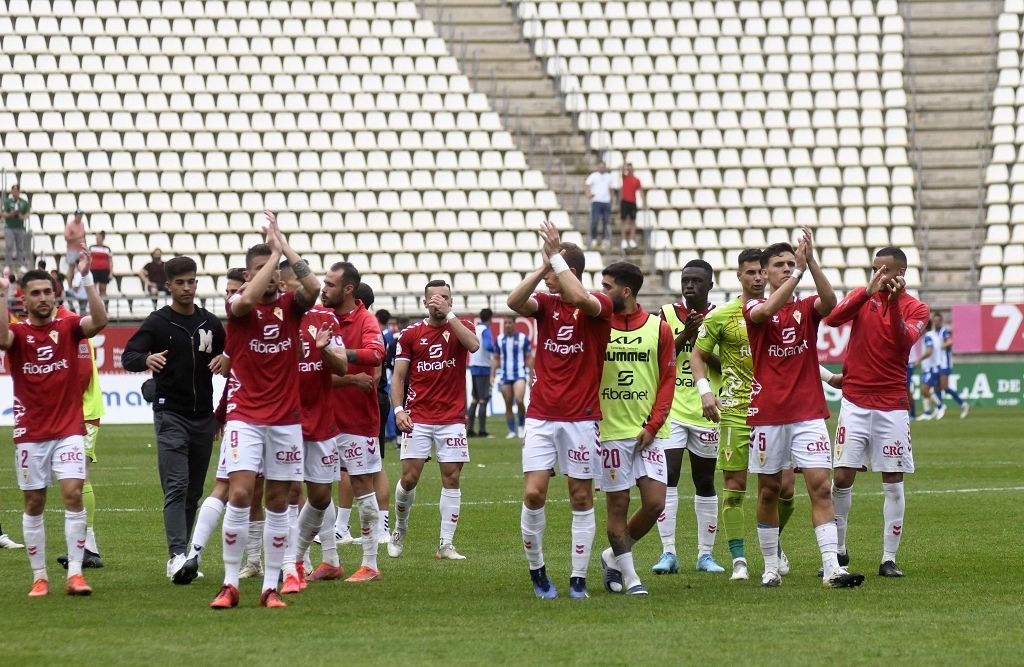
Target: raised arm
96, 320
826, 300
784, 293
465, 335
6, 335
569, 283
242, 303
309, 284
520, 299
906, 328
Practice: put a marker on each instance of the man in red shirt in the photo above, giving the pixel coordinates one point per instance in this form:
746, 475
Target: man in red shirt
354, 398
629, 199
433, 354
102, 260
263, 427
48, 421
787, 409
562, 420
874, 423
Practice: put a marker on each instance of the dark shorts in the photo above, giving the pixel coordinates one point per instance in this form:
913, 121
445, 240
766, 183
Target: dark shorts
102, 276
627, 209
481, 387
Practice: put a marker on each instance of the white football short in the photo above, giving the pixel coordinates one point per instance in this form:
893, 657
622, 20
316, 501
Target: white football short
801, 444
447, 440
360, 454
321, 463
276, 450
702, 441
879, 438
38, 463
573, 446
222, 463
622, 463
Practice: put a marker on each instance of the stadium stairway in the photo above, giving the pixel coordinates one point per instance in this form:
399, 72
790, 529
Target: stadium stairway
487, 38
950, 75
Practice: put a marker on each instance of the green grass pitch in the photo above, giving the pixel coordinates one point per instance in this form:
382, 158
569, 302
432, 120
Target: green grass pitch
960, 602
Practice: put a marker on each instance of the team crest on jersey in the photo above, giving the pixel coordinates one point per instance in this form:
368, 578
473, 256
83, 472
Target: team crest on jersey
797, 316
446, 335
312, 331
278, 313
54, 336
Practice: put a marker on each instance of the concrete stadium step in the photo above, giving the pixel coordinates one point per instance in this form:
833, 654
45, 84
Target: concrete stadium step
947, 9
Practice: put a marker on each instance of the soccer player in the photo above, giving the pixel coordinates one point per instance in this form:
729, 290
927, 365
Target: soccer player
481, 372
787, 404
432, 354
690, 429
874, 424
264, 412
514, 357
354, 400
930, 377
48, 423
562, 422
942, 338
182, 345
636, 397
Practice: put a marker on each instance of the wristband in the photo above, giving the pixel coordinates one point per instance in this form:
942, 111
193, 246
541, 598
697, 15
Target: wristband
703, 386
558, 264
399, 410
87, 280
826, 374
797, 274
451, 316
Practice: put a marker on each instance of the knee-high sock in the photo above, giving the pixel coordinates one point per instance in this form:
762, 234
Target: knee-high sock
893, 508
532, 524
583, 528
206, 521
74, 537
403, 505
828, 544
89, 503
369, 515
768, 537
383, 523
667, 520
451, 508
624, 562
234, 535
290, 557
732, 518
328, 538
842, 501
275, 545
482, 417
955, 394
706, 509
254, 541
35, 544
310, 520
342, 520
785, 511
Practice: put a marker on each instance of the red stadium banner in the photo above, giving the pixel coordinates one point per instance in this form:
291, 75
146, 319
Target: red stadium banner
997, 328
109, 346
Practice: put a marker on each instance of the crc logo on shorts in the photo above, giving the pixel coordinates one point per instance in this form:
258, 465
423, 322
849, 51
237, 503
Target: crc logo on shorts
895, 450
708, 436
330, 460
565, 332
655, 456
458, 443
271, 331
435, 351
625, 378
353, 452
293, 455
579, 454
72, 457
820, 446
44, 352
789, 335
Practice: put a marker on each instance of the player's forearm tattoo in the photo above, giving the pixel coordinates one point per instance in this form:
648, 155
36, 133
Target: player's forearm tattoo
301, 269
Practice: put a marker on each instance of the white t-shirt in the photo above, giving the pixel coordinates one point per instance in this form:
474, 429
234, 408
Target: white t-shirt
600, 187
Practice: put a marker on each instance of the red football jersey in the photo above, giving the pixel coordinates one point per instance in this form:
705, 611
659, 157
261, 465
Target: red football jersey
437, 373
44, 369
787, 383
357, 411
569, 360
264, 383
875, 372
318, 420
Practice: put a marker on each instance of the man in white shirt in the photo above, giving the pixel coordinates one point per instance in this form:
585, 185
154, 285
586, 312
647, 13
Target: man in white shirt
599, 188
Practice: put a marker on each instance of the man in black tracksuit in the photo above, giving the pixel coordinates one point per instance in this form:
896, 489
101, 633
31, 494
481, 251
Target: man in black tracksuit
182, 344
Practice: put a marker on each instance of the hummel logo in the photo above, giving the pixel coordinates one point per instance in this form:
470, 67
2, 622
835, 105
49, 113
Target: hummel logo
528, 544
712, 528
278, 541
896, 530
80, 544
366, 531
32, 551
455, 518
661, 518
579, 549
230, 538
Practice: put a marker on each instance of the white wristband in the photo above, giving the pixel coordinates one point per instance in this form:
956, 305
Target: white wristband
558, 264
826, 374
703, 386
797, 274
399, 410
451, 316
87, 280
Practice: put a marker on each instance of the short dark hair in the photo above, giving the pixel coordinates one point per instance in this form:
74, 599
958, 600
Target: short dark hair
895, 253
625, 274
774, 250
436, 283
701, 264
258, 250
285, 265
383, 316
34, 274
365, 294
486, 314
574, 257
179, 266
41, 265
748, 255
349, 273
236, 274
